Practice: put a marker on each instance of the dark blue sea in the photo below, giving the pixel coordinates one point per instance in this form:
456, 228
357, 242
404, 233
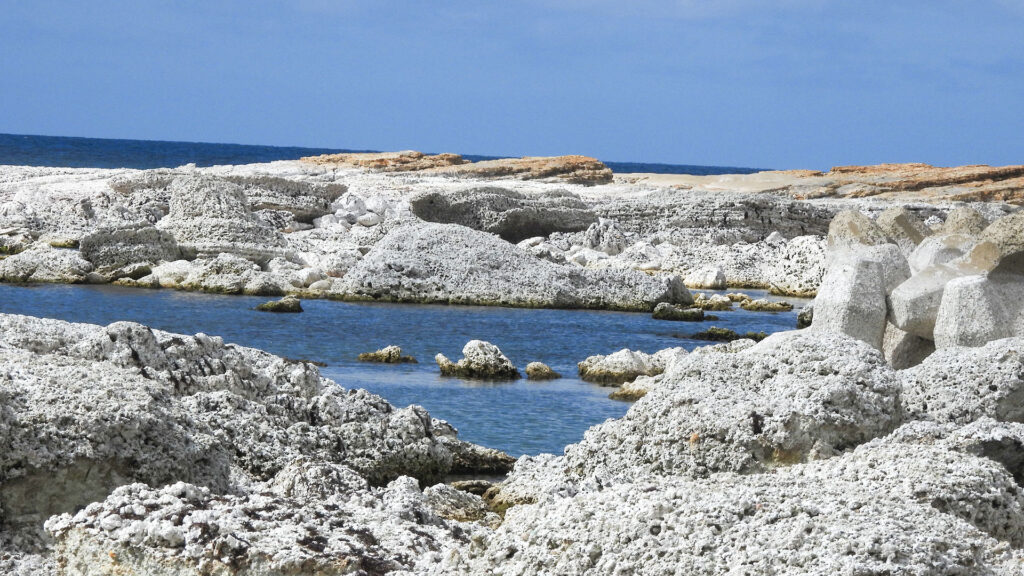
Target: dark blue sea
520, 417
76, 152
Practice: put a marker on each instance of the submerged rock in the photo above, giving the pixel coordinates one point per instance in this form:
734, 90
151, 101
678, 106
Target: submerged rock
387, 355
287, 304
625, 365
714, 302
666, 311
540, 371
765, 305
716, 334
479, 360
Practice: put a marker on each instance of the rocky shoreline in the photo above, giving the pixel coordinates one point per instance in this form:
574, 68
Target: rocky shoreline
886, 438
406, 228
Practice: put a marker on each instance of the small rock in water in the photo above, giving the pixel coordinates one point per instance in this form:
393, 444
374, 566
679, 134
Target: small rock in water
666, 311
480, 360
713, 302
540, 371
387, 355
716, 334
286, 304
765, 305
738, 297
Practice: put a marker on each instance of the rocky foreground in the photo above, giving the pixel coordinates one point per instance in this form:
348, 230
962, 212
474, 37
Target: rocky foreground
886, 438
538, 232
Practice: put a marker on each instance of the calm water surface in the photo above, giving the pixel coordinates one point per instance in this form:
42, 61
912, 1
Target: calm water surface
520, 417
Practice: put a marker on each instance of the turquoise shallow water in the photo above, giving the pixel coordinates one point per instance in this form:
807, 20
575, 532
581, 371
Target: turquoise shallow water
519, 417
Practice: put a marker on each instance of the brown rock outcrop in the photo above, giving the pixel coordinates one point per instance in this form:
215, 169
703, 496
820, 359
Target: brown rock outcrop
576, 169
404, 161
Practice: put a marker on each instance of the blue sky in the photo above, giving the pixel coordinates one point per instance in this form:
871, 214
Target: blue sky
782, 84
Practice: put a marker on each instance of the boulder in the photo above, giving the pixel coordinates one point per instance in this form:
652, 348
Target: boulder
795, 396
616, 368
805, 317
940, 249
208, 216
964, 220
128, 251
765, 305
540, 371
711, 278
978, 309
961, 385
714, 302
851, 228
914, 304
902, 227
479, 360
447, 263
512, 215
903, 350
1007, 233
43, 263
288, 304
666, 311
387, 355
852, 301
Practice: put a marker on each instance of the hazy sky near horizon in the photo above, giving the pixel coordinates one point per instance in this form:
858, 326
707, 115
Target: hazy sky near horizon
779, 84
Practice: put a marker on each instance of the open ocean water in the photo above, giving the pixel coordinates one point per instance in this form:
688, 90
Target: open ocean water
76, 152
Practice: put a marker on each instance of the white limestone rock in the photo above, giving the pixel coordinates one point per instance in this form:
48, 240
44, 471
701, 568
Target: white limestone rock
447, 263
903, 350
1007, 233
43, 263
512, 215
852, 301
882, 508
184, 530
962, 384
626, 365
479, 360
902, 227
209, 216
128, 251
799, 268
795, 396
978, 309
606, 236
711, 278
940, 249
914, 304
964, 220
